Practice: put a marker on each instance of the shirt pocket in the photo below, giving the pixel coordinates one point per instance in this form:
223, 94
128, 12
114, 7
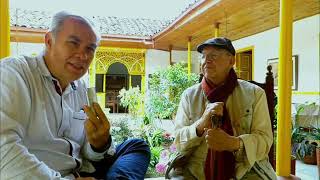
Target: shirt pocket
76, 130
246, 120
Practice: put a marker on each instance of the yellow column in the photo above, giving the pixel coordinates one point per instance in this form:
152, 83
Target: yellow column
102, 96
92, 73
189, 56
130, 86
4, 29
143, 84
104, 83
170, 54
216, 30
143, 90
284, 91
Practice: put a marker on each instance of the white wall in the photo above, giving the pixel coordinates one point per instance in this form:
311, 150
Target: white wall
178, 56
305, 45
157, 59
29, 49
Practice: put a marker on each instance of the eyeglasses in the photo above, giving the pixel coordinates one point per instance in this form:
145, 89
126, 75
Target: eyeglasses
212, 56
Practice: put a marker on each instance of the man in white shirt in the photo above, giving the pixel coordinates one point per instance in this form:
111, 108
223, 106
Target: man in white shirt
45, 133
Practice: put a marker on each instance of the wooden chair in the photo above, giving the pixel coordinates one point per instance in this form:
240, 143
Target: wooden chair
112, 100
268, 87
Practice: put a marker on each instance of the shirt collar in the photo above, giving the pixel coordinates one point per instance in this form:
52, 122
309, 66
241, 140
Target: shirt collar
43, 66
45, 71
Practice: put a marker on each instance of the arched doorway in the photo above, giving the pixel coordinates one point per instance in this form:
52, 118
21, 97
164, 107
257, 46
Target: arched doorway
115, 68
117, 77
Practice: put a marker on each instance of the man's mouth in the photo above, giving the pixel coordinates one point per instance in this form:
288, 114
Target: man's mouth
208, 67
77, 66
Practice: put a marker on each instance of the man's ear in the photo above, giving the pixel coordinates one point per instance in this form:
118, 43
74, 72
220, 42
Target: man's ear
48, 39
232, 60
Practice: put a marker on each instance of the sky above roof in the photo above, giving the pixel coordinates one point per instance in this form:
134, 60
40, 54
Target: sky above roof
150, 9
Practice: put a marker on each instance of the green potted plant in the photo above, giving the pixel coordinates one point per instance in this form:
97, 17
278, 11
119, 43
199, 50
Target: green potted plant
307, 116
315, 133
306, 152
306, 133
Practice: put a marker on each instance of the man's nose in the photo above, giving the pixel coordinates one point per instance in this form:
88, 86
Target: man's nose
209, 61
82, 54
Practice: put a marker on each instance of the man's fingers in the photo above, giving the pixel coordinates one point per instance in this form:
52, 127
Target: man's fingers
102, 117
99, 111
92, 116
90, 126
215, 105
217, 112
210, 132
89, 112
220, 103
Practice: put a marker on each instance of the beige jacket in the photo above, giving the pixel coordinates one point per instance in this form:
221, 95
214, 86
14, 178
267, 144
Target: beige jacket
248, 111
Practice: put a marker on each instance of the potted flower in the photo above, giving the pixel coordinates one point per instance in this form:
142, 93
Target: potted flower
306, 152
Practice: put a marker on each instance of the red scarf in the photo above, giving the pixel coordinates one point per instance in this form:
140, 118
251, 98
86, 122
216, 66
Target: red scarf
221, 165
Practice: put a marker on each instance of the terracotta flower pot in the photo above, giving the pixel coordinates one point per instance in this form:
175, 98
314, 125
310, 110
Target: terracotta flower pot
318, 160
293, 165
310, 159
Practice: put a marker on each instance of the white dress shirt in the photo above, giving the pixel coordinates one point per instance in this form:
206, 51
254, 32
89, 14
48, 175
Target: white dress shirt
42, 132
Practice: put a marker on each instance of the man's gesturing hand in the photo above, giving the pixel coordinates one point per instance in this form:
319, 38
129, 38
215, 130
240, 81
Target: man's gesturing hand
211, 109
219, 140
97, 127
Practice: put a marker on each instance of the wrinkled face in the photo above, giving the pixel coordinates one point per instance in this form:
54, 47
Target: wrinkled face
216, 64
69, 54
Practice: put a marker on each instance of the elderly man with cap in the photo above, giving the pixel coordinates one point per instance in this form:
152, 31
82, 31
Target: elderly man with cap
222, 123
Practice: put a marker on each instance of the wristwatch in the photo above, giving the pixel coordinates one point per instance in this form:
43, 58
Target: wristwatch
241, 147
240, 150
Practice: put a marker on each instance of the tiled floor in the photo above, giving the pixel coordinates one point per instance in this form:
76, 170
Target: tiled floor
303, 171
306, 171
